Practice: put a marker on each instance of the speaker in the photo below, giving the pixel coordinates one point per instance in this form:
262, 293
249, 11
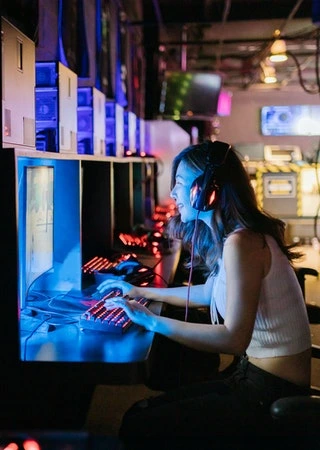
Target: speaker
204, 191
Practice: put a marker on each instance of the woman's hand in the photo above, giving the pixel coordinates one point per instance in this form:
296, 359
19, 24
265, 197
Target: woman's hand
124, 286
138, 313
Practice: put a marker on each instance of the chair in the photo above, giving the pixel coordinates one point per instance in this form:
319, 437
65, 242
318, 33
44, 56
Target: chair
300, 415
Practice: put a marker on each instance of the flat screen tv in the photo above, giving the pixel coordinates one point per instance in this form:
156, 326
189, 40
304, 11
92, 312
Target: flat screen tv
290, 120
189, 95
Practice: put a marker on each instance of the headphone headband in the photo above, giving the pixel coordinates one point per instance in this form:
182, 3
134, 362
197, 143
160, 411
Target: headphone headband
217, 153
204, 192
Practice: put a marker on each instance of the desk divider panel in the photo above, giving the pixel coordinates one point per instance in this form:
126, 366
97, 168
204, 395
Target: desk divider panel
97, 208
123, 197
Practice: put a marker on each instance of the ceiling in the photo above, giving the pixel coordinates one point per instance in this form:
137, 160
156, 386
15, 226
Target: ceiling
234, 37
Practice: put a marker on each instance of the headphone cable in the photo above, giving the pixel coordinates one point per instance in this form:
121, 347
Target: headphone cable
181, 349
191, 266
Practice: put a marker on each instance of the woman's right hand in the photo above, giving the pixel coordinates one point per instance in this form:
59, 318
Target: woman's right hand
126, 288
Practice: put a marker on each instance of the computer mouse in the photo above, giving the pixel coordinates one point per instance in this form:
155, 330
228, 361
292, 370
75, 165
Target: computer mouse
126, 267
140, 275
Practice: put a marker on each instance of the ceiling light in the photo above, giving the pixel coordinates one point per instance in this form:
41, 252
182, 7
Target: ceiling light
268, 75
278, 51
270, 79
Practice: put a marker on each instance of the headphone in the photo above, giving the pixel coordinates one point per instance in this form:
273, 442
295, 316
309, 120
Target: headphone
204, 191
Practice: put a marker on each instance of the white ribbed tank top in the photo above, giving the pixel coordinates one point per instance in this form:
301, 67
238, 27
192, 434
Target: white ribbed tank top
281, 327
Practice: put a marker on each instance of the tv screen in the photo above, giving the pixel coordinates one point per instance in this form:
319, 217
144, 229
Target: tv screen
189, 96
290, 120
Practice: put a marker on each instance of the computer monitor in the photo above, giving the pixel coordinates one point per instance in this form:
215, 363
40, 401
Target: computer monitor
189, 95
36, 206
48, 241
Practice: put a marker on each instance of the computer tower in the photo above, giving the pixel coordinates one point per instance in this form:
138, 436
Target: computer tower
141, 138
132, 125
56, 107
114, 129
91, 121
18, 80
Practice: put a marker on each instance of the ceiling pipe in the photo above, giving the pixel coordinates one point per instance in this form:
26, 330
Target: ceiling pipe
225, 15
233, 41
184, 56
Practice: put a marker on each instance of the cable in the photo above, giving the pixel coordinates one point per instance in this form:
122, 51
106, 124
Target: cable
191, 267
186, 310
34, 281
163, 279
188, 294
61, 302
31, 334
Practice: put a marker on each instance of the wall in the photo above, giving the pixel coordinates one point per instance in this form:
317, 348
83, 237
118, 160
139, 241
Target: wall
243, 126
165, 140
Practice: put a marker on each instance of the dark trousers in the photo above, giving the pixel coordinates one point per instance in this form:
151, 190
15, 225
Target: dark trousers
233, 407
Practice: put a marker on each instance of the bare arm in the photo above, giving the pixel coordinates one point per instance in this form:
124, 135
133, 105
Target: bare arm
177, 296
245, 264
199, 295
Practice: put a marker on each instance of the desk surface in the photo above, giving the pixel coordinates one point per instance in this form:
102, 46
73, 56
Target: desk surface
125, 357
68, 343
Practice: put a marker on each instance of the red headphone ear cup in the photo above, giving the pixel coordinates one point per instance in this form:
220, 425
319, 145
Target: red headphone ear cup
204, 192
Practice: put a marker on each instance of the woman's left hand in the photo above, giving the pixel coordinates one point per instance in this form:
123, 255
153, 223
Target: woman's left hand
138, 313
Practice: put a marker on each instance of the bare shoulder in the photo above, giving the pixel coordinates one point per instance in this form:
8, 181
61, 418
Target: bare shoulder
247, 249
245, 239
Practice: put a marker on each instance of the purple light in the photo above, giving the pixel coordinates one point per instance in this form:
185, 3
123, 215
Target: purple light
224, 103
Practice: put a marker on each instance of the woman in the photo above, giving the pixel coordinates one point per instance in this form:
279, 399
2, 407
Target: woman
257, 308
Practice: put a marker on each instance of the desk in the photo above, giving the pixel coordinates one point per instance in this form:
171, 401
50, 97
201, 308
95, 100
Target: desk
107, 358
125, 357
52, 386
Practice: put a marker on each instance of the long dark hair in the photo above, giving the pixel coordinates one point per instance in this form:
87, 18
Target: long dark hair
237, 207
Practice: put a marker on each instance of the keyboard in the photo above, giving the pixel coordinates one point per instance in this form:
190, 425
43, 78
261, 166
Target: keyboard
99, 318
126, 266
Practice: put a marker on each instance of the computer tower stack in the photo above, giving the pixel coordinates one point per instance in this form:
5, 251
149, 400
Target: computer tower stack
137, 135
140, 137
129, 130
91, 121
56, 99
126, 132
114, 129
18, 80
132, 125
